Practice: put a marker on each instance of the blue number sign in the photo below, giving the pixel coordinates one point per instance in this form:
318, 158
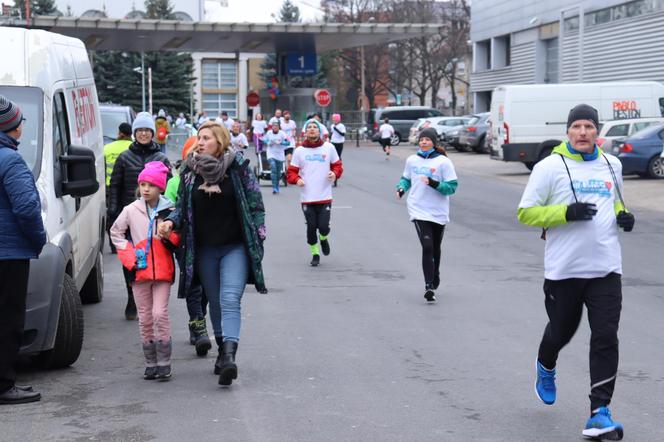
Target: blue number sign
301, 64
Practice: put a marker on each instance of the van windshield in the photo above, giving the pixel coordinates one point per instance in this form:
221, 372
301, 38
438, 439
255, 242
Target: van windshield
110, 122
31, 102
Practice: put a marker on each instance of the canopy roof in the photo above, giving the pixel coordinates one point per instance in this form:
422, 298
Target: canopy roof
181, 36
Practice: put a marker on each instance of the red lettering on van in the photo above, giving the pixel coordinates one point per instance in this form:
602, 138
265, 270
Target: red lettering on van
84, 110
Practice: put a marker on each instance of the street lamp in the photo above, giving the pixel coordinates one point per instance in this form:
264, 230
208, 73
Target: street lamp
141, 70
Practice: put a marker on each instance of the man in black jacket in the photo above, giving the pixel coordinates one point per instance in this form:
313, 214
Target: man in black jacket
124, 181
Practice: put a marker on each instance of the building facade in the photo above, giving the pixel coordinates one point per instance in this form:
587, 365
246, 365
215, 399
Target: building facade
564, 41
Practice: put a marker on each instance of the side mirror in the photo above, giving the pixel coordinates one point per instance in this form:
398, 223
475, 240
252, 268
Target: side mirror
80, 172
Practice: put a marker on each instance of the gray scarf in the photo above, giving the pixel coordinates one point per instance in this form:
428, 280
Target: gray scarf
211, 169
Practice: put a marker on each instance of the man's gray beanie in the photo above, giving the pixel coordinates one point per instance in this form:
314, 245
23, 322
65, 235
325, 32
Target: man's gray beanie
583, 112
143, 121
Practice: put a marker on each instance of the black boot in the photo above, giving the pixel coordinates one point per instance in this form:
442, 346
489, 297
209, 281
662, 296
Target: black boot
436, 281
130, 309
192, 335
18, 395
201, 339
228, 370
315, 260
220, 351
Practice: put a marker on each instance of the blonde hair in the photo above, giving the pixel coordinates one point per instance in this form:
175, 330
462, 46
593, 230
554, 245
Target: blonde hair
220, 134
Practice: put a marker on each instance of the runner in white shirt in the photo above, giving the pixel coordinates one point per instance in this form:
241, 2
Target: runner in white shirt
258, 128
431, 179
238, 139
386, 133
276, 141
290, 128
338, 136
277, 118
314, 168
575, 194
225, 120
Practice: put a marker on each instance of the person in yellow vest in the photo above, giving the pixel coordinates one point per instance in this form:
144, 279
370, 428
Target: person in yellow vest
163, 129
111, 153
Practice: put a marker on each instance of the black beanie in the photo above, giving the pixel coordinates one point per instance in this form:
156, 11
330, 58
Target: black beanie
583, 112
430, 133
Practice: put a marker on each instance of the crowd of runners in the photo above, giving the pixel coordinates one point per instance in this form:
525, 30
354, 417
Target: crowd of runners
158, 213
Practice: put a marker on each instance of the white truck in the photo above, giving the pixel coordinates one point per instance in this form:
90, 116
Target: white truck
49, 76
527, 121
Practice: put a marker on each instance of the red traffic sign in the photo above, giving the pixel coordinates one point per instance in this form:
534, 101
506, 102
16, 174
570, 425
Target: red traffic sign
253, 99
323, 97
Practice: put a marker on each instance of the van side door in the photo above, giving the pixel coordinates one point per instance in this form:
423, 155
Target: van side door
61, 142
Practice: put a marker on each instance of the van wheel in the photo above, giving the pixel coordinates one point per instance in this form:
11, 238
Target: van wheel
395, 140
656, 167
69, 335
546, 148
529, 164
93, 289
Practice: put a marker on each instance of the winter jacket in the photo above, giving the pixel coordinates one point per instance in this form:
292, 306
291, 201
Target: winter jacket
111, 153
250, 208
124, 179
22, 234
135, 219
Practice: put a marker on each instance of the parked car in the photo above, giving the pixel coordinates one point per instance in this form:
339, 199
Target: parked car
401, 118
472, 136
112, 115
50, 77
641, 153
619, 129
441, 124
451, 136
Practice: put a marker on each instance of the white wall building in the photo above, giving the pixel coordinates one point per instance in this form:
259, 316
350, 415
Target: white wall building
564, 41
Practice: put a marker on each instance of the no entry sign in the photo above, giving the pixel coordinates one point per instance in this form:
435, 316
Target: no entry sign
323, 97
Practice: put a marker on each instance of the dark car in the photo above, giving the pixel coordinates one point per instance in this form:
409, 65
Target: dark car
112, 115
640, 153
473, 135
451, 137
401, 118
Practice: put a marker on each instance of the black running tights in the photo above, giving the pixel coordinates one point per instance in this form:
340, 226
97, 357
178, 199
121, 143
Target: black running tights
317, 217
431, 238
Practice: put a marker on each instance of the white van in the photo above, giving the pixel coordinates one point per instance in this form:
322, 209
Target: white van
50, 78
529, 120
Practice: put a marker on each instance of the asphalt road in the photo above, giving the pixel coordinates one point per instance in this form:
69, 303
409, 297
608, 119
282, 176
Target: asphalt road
351, 351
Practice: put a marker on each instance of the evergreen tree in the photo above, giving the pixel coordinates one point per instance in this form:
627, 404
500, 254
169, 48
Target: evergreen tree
172, 73
289, 13
159, 9
37, 7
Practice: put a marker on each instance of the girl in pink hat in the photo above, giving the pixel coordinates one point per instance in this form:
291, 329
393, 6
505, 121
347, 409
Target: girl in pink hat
150, 260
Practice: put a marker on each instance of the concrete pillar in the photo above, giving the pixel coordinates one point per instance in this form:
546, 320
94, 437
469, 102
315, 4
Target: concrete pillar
197, 58
243, 86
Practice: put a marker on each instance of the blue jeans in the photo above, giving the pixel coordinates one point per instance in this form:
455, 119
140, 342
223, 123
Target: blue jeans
223, 272
276, 169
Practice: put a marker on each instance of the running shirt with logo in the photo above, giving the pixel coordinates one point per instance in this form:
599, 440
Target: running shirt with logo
259, 127
386, 130
314, 166
578, 249
290, 128
239, 141
275, 145
424, 202
336, 136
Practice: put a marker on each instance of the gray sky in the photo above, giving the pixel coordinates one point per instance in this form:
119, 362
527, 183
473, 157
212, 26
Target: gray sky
258, 11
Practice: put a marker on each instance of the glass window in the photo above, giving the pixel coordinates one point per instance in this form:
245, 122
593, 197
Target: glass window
661, 106
620, 130
213, 104
473, 120
551, 73
30, 100
619, 12
640, 126
219, 74
572, 24
639, 7
598, 17
110, 124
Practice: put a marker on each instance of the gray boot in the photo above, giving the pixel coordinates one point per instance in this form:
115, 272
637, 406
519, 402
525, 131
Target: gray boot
150, 352
164, 350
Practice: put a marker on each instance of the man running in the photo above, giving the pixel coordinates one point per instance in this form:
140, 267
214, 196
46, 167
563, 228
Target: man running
386, 131
575, 194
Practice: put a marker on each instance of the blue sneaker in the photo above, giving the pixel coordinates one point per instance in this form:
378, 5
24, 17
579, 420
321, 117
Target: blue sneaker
545, 385
600, 426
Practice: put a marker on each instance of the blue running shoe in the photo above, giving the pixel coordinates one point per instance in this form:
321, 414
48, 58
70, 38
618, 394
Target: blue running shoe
600, 426
545, 385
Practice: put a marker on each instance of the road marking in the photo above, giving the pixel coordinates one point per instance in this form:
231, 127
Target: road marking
342, 207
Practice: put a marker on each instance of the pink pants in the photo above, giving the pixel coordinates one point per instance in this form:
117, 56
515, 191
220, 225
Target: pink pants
151, 299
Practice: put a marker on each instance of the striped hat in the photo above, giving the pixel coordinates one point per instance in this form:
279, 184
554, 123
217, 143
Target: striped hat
10, 115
